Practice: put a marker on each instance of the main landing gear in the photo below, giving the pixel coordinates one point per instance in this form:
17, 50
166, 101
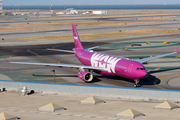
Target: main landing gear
136, 84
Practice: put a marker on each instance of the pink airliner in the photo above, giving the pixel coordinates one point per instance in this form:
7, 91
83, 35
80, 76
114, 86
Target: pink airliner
102, 63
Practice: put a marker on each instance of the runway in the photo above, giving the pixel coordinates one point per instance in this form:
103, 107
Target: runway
170, 24
89, 30
25, 19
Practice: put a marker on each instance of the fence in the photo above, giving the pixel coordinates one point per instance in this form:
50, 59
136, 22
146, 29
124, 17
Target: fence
122, 92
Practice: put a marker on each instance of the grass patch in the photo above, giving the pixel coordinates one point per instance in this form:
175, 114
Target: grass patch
1, 57
105, 16
163, 68
105, 35
7, 21
137, 57
87, 23
6, 29
123, 45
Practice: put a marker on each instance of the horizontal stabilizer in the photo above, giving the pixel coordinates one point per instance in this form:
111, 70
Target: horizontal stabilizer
87, 49
61, 50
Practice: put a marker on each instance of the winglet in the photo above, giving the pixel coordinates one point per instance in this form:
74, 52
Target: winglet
176, 50
6, 60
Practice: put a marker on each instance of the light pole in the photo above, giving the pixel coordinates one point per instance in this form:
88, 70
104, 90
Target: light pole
50, 7
54, 74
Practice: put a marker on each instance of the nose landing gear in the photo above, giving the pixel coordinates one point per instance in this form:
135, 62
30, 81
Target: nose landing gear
136, 84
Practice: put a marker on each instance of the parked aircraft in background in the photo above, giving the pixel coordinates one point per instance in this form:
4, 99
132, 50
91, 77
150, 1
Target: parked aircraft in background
102, 63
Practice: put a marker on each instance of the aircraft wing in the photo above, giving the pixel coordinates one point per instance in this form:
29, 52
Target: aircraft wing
155, 57
62, 65
62, 50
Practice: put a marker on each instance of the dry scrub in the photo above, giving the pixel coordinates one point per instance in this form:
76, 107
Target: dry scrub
105, 35
157, 18
6, 29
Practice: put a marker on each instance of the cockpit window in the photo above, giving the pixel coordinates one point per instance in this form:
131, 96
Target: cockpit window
140, 68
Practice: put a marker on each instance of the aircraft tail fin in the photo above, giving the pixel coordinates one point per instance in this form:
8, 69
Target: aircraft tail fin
77, 41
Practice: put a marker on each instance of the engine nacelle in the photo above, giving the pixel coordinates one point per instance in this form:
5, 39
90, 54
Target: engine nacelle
85, 76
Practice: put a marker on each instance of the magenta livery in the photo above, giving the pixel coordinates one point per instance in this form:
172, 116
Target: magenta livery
102, 63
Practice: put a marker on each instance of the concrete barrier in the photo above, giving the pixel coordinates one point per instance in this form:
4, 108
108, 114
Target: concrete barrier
121, 92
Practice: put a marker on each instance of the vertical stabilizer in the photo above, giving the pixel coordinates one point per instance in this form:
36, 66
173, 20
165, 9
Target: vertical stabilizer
77, 41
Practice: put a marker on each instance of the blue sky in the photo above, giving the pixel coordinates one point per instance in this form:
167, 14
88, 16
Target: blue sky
89, 2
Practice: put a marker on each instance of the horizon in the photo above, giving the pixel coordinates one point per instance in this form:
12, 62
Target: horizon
92, 2
97, 7
89, 5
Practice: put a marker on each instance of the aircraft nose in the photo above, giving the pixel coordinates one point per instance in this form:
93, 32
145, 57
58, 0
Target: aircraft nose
143, 74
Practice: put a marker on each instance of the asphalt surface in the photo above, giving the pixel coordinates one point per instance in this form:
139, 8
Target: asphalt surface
89, 30
164, 73
84, 30
25, 19
37, 53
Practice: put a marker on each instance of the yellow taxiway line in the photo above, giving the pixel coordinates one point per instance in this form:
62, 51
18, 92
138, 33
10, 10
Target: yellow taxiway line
164, 78
157, 69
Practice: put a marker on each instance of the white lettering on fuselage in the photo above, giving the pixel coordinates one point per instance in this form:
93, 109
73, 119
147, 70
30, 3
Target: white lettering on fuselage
102, 60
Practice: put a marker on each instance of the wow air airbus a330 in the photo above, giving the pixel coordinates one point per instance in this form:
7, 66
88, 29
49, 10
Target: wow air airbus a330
102, 63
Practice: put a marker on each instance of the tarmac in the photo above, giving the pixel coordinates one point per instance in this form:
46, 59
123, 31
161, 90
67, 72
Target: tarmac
26, 108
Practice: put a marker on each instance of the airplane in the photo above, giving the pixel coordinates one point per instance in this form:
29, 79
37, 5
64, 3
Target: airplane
103, 64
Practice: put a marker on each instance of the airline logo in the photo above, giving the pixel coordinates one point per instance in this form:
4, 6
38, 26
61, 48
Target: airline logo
101, 60
75, 38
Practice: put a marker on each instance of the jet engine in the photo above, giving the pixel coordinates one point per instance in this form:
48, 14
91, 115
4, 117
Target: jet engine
85, 76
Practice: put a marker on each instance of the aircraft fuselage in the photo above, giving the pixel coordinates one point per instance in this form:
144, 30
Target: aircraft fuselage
115, 65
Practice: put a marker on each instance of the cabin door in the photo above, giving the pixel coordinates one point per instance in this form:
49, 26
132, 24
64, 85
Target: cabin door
130, 68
